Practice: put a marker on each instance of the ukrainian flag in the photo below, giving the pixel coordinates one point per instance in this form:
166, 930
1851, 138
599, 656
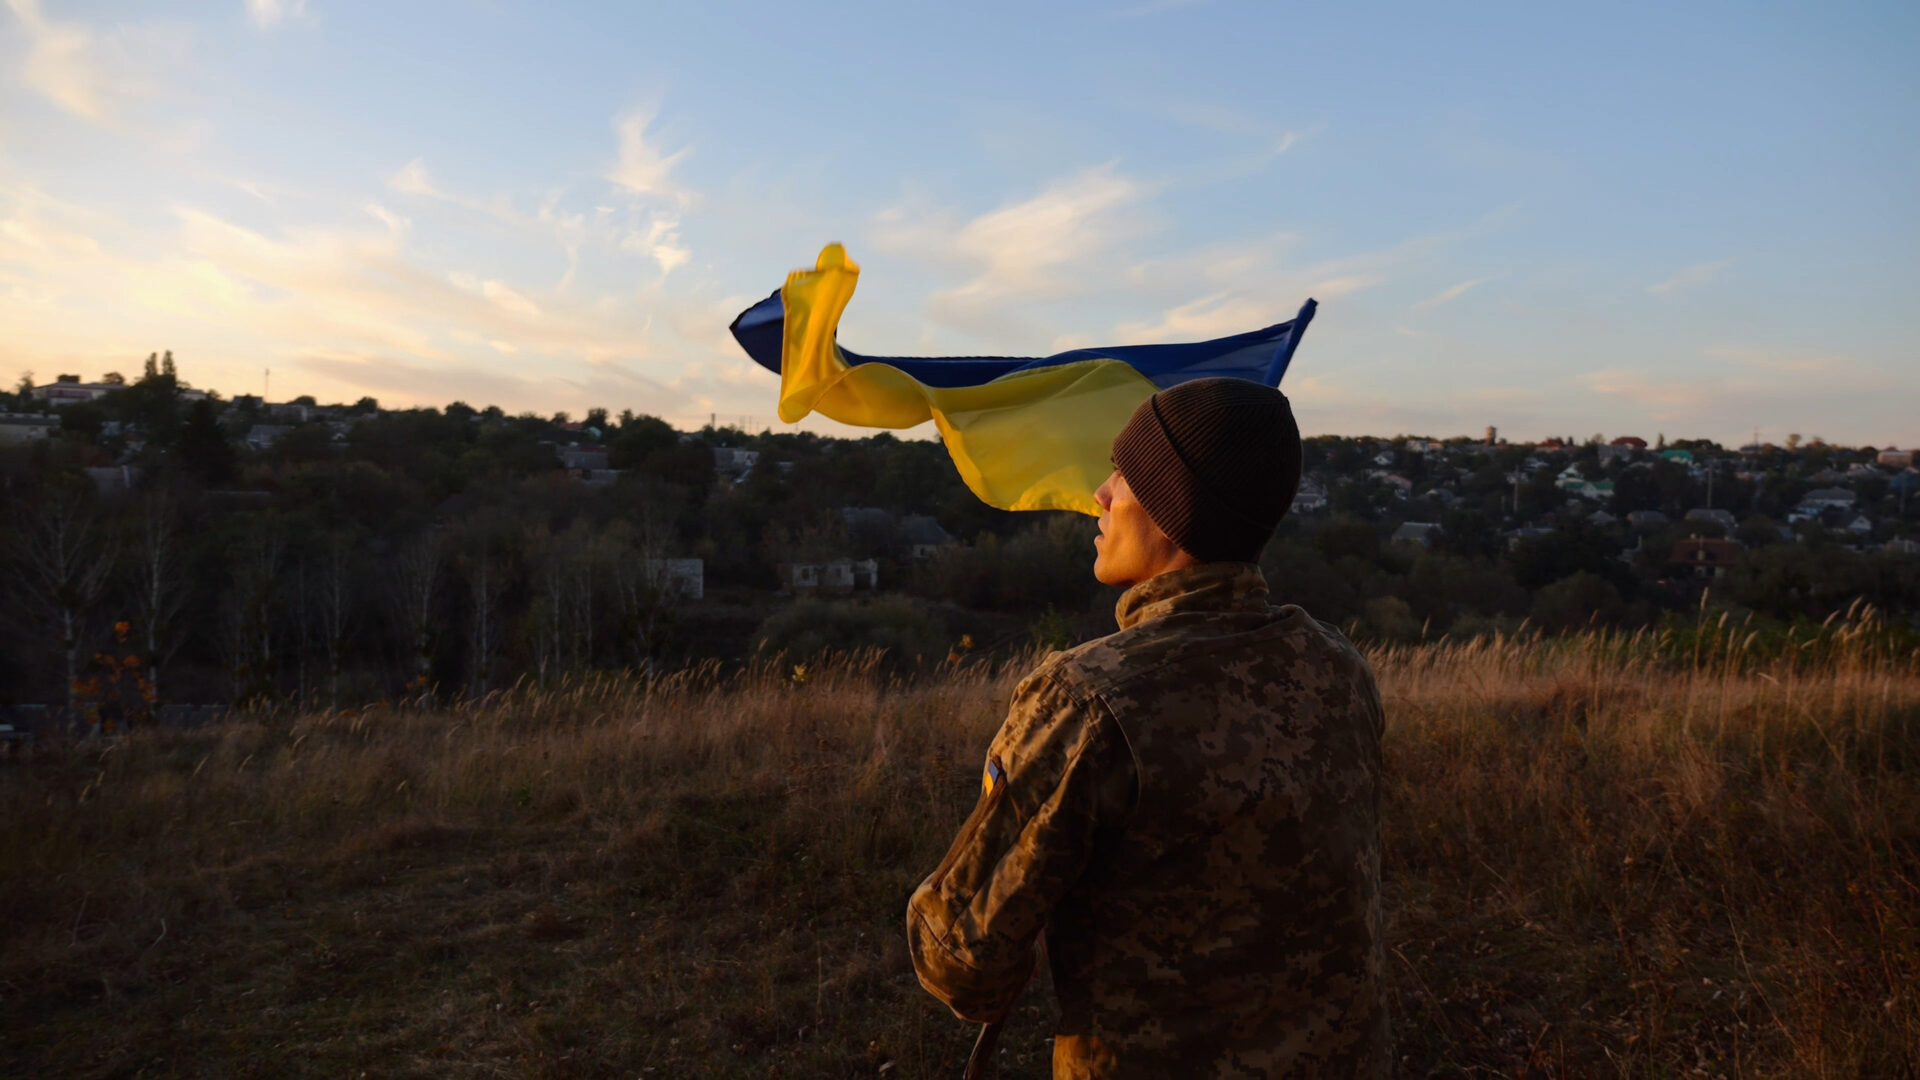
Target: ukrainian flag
1027, 433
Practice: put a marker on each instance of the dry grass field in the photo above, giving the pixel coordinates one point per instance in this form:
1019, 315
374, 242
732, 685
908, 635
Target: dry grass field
1607, 857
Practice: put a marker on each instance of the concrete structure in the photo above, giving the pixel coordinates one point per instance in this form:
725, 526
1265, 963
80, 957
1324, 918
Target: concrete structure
678, 579
1417, 532
113, 480
23, 427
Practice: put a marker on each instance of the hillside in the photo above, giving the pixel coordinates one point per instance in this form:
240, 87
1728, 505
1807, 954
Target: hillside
1607, 856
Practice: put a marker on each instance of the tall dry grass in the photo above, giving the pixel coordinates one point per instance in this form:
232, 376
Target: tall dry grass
1607, 855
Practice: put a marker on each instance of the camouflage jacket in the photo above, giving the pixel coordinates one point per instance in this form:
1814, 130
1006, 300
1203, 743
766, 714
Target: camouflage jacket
1189, 808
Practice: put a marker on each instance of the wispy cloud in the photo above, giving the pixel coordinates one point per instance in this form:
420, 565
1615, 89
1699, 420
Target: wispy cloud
1051, 245
73, 68
266, 14
1447, 295
641, 167
661, 241
1691, 277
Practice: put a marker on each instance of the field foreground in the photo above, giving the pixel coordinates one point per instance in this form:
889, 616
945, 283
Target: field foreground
1605, 857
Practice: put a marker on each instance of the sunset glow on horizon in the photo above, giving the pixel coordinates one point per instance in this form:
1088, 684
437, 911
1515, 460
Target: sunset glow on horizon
1696, 224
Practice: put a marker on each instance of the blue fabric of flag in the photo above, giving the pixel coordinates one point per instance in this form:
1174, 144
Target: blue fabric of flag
1259, 355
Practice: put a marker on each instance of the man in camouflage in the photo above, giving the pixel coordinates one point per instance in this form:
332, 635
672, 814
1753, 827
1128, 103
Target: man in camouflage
1188, 808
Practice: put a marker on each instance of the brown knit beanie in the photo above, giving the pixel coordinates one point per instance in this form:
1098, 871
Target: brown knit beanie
1215, 463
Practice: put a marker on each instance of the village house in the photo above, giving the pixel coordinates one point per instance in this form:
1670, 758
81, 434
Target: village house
1573, 483
834, 576
1894, 459
1622, 448
262, 436
68, 389
1722, 518
583, 459
1640, 518
1402, 487
735, 463
1417, 532
923, 536
1310, 499
1702, 557
1813, 502
1516, 537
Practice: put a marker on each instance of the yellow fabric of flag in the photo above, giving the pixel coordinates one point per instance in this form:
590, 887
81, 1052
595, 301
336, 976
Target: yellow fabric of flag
1030, 440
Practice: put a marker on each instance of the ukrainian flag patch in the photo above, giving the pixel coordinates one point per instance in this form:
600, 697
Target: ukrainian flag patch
993, 777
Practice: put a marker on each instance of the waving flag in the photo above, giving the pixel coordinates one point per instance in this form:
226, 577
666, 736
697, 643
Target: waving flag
1027, 433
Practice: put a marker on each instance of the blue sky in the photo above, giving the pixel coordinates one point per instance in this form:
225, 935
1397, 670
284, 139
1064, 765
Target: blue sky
1681, 219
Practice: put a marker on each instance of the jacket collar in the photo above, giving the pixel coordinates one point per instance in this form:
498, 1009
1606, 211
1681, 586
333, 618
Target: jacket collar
1220, 586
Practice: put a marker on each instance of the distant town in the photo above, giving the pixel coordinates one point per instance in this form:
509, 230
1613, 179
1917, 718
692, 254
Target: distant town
239, 548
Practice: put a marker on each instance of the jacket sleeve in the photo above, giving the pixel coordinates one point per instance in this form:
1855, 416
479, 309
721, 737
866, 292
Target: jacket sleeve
1058, 771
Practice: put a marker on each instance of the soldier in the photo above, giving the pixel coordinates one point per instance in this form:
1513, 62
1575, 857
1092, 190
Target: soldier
1188, 807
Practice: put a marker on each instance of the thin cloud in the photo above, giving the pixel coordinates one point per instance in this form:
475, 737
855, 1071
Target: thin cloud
266, 14
660, 241
1058, 243
65, 63
1447, 295
1691, 277
641, 167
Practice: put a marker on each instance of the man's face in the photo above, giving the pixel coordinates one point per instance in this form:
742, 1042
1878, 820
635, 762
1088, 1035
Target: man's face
1130, 548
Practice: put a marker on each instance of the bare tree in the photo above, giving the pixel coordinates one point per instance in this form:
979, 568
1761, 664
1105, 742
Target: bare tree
336, 610
160, 584
642, 588
252, 609
416, 579
64, 564
485, 585
548, 611
583, 577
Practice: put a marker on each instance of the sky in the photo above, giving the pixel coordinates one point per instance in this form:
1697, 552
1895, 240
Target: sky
1695, 220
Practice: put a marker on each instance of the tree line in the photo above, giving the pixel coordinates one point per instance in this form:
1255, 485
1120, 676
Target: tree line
152, 556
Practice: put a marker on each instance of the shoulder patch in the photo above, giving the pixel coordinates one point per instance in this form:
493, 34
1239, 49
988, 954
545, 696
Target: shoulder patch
992, 777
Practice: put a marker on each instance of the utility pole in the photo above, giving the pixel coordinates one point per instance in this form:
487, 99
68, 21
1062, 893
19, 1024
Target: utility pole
266, 387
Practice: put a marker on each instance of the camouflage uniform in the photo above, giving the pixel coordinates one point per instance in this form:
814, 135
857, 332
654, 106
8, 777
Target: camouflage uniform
1189, 808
